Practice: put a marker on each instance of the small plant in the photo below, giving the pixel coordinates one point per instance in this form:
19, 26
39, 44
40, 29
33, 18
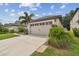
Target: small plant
12, 31
58, 38
3, 30
76, 32
21, 29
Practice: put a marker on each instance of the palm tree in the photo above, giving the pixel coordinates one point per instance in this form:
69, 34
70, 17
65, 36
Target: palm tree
26, 19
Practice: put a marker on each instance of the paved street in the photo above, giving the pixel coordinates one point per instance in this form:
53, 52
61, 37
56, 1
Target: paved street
23, 45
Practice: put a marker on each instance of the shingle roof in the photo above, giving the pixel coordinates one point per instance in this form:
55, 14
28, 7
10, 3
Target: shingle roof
47, 18
75, 12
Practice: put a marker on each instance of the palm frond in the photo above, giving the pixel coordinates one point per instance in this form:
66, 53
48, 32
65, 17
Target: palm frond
26, 14
21, 17
31, 15
23, 21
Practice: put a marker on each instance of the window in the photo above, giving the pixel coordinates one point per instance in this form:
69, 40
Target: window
43, 23
37, 24
46, 23
40, 23
50, 22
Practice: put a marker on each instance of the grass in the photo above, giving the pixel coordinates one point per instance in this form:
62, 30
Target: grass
8, 35
72, 51
48, 52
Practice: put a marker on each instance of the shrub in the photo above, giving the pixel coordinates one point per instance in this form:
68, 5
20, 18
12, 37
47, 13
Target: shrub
21, 29
3, 30
58, 38
12, 31
76, 32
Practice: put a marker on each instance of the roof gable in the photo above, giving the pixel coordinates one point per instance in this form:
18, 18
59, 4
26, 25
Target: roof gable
75, 12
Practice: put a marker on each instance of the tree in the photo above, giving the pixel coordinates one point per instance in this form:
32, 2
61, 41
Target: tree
67, 18
27, 18
1, 24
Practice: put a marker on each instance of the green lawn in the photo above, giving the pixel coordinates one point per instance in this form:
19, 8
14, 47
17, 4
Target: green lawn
72, 51
8, 35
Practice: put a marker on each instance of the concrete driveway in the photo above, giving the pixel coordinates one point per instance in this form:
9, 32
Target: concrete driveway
23, 45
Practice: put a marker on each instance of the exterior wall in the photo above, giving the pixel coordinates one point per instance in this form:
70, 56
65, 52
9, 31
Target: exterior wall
58, 22
74, 23
13, 27
42, 29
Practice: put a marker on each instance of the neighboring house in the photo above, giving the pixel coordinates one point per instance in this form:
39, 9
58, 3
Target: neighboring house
11, 26
14, 26
42, 25
74, 23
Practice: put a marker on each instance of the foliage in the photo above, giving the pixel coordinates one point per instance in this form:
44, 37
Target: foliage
3, 30
76, 32
1, 24
47, 52
27, 18
21, 29
67, 18
73, 51
12, 31
71, 33
8, 35
58, 38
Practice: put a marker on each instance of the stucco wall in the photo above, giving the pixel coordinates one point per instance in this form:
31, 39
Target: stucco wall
12, 28
73, 22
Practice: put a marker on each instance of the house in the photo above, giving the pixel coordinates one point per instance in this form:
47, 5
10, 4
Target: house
11, 26
74, 23
42, 25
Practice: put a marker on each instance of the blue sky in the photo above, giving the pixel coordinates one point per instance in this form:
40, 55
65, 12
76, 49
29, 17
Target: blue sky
10, 12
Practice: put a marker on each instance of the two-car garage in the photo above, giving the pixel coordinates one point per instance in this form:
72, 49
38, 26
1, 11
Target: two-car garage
41, 26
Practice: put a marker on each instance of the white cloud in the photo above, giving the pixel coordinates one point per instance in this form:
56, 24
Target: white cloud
50, 13
36, 15
30, 5
63, 6
44, 14
25, 5
6, 10
12, 14
58, 12
33, 9
28, 12
20, 13
52, 7
38, 5
13, 10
